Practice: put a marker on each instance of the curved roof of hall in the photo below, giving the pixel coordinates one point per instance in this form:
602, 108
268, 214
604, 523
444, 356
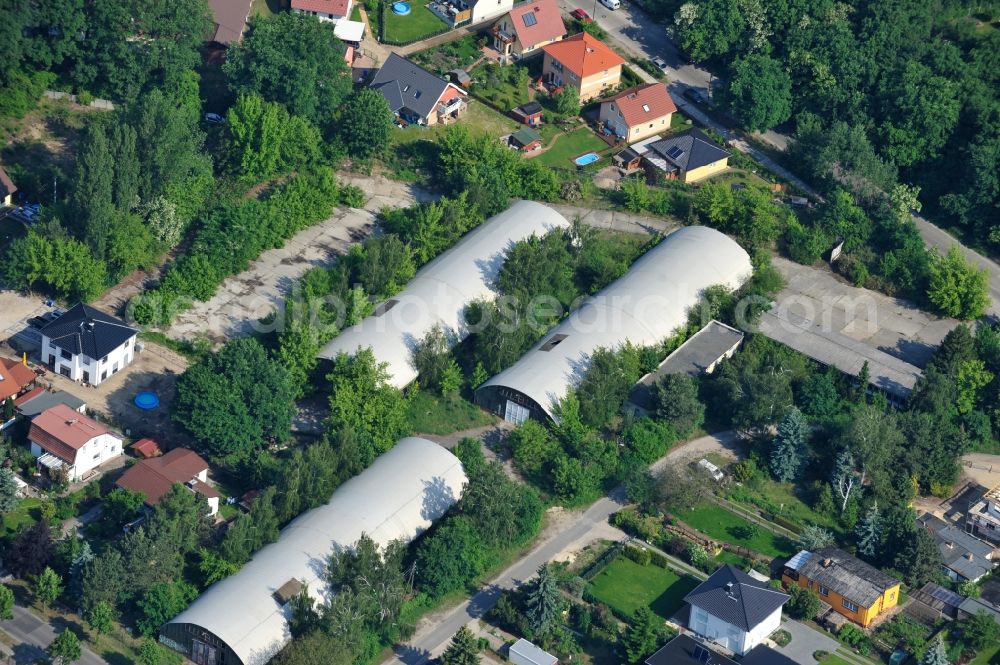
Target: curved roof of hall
398, 497
441, 290
644, 306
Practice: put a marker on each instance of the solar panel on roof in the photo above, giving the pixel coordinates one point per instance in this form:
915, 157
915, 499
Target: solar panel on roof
529, 20
675, 152
702, 654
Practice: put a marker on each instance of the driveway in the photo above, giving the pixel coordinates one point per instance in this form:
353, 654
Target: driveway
820, 315
805, 642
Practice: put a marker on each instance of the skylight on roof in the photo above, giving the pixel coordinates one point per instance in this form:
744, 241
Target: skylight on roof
675, 152
645, 107
529, 20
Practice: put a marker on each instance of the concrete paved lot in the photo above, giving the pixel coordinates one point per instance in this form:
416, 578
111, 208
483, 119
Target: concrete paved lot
822, 316
246, 298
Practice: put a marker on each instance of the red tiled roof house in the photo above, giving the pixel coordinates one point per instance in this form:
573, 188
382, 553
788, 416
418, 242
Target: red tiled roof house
156, 476
62, 438
14, 378
639, 112
523, 31
582, 62
324, 10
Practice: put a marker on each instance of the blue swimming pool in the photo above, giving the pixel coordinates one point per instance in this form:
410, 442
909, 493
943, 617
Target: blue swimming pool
589, 158
401, 8
147, 400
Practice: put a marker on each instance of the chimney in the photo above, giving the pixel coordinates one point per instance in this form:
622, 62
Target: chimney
827, 563
968, 555
950, 545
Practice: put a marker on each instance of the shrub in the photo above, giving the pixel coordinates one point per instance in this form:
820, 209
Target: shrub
657, 559
640, 555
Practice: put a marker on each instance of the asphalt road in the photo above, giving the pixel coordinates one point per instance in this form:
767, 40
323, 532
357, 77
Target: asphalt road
431, 640
31, 636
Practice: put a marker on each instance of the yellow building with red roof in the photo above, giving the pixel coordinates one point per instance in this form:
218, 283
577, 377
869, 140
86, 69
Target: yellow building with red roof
582, 62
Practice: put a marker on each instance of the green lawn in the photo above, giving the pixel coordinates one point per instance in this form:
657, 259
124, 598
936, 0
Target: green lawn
23, 515
834, 659
989, 656
725, 526
265, 8
626, 586
478, 118
419, 23
780, 499
356, 12
429, 413
569, 146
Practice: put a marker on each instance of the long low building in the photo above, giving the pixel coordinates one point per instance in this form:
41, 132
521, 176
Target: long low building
440, 292
243, 620
644, 306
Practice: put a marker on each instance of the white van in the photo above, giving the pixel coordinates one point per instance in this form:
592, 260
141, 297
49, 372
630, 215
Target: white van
612, 4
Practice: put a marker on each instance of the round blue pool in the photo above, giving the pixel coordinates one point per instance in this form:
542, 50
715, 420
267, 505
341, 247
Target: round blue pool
147, 400
589, 158
401, 8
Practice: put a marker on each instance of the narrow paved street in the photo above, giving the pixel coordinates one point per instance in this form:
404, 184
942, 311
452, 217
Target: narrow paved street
30, 636
433, 636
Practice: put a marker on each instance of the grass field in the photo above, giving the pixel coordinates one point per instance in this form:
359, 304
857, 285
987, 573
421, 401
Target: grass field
478, 118
781, 499
569, 146
23, 515
834, 659
429, 413
265, 8
725, 526
626, 586
990, 656
419, 23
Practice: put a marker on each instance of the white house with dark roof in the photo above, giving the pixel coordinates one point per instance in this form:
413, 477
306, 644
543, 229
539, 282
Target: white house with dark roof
87, 345
416, 95
734, 610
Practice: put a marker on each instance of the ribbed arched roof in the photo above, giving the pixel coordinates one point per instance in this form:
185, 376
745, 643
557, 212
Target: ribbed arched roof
398, 497
644, 306
441, 290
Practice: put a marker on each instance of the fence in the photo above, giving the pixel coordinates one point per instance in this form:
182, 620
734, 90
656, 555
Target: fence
600, 562
103, 104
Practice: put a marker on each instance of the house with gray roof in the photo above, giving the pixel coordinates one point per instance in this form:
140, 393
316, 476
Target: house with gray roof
699, 354
416, 95
963, 556
734, 610
688, 156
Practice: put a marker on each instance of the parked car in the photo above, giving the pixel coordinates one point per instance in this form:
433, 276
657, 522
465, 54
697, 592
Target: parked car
214, 118
581, 15
658, 61
612, 4
696, 96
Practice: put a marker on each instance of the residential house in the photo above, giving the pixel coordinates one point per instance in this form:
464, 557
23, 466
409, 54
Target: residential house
37, 400
734, 610
87, 345
7, 189
699, 354
155, 477
524, 652
983, 517
416, 95
851, 587
963, 556
15, 378
639, 112
324, 10
62, 438
230, 18
582, 62
687, 650
526, 140
485, 10
528, 114
689, 156
527, 28
971, 607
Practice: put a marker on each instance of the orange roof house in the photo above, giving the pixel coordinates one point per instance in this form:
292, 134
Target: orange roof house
62, 437
155, 477
14, 378
146, 448
639, 112
324, 10
583, 62
524, 30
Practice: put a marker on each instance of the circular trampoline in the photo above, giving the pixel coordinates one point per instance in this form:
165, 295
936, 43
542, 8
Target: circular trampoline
401, 8
147, 400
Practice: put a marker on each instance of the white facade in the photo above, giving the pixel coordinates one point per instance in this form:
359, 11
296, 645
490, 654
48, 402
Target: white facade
90, 455
729, 636
484, 10
326, 16
80, 367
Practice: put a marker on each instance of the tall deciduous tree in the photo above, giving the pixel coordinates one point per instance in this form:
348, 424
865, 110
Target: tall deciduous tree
48, 586
957, 288
363, 401
292, 59
65, 649
31, 551
6, 603
760, 92
676, 400
365, 124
